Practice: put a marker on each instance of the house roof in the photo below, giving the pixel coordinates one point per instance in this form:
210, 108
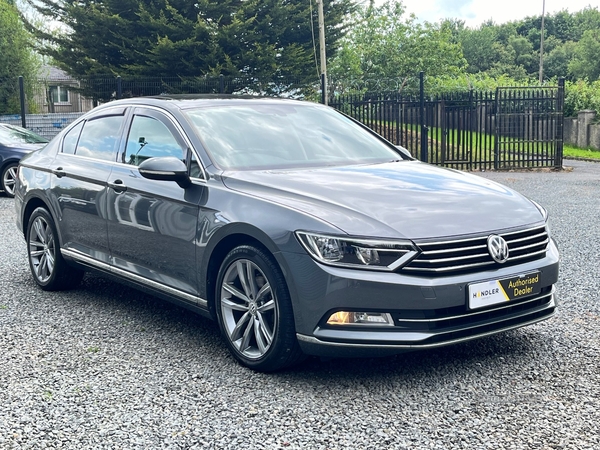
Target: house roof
51, 73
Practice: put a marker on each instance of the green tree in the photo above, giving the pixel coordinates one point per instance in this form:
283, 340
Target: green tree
383, 42
478, 48
557, 59
586, 56
255, 38
16, 58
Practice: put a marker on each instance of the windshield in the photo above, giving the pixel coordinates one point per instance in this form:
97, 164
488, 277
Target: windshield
10, 134
285, 135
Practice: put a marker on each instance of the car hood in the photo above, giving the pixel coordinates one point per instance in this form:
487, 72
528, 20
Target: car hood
396, 199
25, 148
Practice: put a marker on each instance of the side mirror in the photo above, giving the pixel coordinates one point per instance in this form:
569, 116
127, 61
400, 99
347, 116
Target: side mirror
167, 168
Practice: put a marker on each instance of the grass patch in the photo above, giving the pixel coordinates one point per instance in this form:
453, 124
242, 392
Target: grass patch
481, 144
574, 152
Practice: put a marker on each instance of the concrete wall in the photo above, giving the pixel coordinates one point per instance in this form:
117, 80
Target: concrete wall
582, 131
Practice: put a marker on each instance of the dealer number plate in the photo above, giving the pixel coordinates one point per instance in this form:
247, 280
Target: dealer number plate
492, 292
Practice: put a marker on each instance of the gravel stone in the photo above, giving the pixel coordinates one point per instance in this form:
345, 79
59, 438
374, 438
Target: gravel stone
108, 367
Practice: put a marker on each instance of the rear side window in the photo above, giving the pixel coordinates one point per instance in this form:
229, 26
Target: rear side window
71, 138
100, 138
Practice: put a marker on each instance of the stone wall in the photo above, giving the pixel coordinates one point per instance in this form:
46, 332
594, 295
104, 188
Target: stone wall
582, 131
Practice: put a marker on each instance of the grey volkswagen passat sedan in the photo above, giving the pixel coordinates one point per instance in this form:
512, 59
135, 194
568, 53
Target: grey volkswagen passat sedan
299, 230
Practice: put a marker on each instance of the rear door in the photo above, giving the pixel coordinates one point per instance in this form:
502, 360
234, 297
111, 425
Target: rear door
152, 224
79, 183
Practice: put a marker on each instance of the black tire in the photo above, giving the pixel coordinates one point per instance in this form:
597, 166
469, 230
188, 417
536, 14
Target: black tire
49, 269
254, 310
8, 179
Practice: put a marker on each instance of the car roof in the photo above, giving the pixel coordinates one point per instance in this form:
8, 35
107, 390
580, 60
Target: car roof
192, 101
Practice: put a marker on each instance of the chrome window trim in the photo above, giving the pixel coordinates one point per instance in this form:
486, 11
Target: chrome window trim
181, 131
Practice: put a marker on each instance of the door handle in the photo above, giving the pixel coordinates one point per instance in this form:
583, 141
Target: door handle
118, 186
59, 172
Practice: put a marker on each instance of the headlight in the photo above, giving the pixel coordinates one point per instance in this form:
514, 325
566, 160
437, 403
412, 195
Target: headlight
544, 213
357, 253
541, 209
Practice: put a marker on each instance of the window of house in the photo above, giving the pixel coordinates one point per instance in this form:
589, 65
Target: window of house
59, 94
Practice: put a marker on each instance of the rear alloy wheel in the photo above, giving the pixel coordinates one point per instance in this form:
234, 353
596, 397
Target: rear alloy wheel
9, 178
48, 267
255, 311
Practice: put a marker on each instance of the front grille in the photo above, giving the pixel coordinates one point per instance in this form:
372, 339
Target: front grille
441, 258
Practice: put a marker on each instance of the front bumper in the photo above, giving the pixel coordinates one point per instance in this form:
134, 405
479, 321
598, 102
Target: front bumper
427, 312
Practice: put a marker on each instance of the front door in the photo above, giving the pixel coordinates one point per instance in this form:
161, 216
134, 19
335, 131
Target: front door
152, 224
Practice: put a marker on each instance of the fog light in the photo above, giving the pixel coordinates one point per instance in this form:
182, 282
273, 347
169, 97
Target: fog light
360, 318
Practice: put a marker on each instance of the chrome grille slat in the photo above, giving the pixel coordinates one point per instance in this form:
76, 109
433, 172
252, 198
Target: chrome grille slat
524, 247
448, 269
528, 238
464, 255
528, 255
450, 250
457, 258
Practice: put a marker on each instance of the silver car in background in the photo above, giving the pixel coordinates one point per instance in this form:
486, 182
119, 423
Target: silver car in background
298, 229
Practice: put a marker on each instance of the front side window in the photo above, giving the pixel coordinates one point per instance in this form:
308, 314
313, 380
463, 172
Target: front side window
150, 138
100, 138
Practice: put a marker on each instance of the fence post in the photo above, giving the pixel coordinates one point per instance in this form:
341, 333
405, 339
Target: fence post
560, 103
22, 98
221, 84
119, 88
497, 131
424, 130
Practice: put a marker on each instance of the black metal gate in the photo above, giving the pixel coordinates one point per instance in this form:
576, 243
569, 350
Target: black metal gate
529, 127
505, 129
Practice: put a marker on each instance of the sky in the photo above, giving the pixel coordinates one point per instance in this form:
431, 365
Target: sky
474, 12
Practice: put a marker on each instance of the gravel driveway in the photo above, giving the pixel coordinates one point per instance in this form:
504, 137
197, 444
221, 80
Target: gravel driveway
107, 367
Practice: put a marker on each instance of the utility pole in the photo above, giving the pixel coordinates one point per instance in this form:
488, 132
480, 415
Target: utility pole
322, 50
542, 44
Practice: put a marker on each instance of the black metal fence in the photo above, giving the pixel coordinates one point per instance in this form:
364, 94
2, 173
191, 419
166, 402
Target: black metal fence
503, 129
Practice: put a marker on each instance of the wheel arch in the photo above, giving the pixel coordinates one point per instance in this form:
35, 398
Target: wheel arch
231, 237
31, 204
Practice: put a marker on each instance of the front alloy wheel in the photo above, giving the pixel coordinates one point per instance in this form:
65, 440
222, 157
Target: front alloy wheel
254, 310
9, 179
248, 307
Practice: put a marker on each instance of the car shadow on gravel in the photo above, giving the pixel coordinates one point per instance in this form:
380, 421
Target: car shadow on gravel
129, 310
474, 356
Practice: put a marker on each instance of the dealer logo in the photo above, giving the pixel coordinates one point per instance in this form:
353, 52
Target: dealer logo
498, 248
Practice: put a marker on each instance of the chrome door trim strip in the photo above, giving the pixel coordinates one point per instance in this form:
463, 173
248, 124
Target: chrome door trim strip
78, 256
